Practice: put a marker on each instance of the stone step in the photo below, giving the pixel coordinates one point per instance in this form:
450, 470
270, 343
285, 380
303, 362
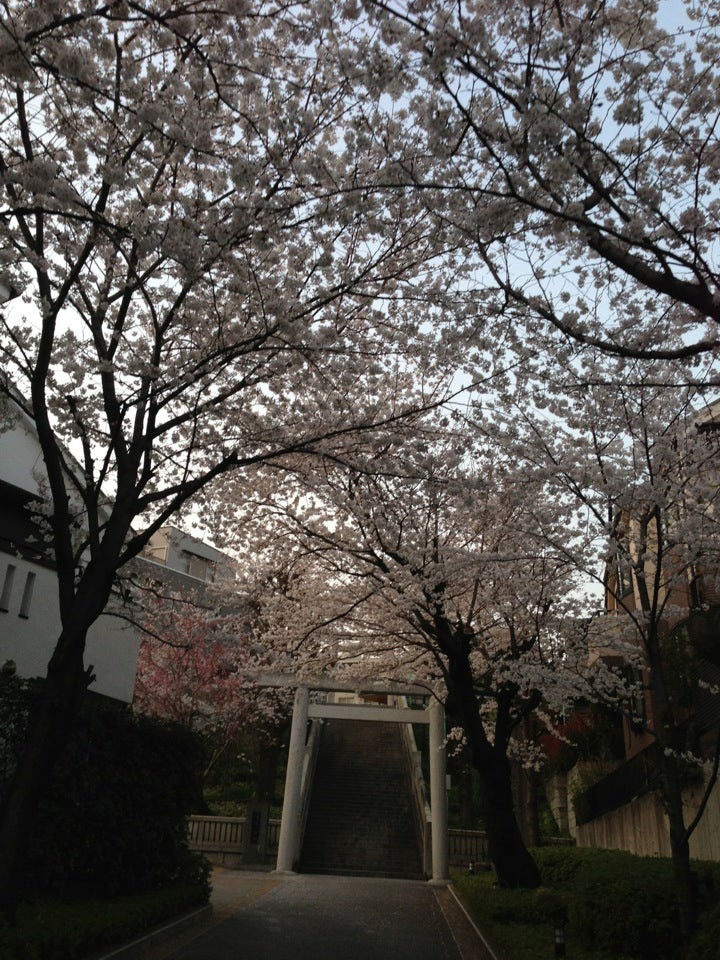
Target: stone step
360, 819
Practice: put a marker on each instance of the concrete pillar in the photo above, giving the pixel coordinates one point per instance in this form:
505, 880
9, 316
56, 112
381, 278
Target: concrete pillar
289, 841
438, 794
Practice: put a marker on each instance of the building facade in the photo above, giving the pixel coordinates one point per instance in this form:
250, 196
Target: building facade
29, 606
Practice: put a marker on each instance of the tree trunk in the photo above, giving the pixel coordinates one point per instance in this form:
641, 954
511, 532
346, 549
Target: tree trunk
513, 864
685, 888
268, 761
671, 741
50, 723
467, 805
509, 856
527, 800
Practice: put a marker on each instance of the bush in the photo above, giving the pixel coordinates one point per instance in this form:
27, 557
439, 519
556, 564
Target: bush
619, 906
705, 943
559, 865
618, 903
532, 907
636, 892
550, 907
625, 905
707, 873
519, 923
52, 930
113, 820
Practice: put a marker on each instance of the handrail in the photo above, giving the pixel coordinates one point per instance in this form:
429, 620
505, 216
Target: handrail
421, 807
312, 746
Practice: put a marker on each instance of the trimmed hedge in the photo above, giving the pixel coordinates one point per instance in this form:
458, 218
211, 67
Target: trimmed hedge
113, 819
55, 930
109, 857
707, 941
627, 905
531, 907
618, 906
624, 905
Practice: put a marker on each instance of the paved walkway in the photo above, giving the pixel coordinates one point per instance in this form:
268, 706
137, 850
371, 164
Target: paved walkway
262, 916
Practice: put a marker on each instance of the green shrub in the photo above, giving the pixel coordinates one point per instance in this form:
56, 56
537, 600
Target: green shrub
113, 820
227, 808
619, 907
520, 923
707, 873
557, 865
625, 906
549, 907
55, 930
707, 939
530, 907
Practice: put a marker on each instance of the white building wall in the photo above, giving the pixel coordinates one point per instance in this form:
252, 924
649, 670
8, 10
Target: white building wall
28, 636
21, 462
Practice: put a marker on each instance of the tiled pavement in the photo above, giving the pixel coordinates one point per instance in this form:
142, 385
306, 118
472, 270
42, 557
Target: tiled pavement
266, 916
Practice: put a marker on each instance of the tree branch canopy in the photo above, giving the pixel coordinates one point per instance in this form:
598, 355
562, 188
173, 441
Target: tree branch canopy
572, 151
199, 261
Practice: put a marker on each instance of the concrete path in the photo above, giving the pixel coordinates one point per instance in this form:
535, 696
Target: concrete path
261, 916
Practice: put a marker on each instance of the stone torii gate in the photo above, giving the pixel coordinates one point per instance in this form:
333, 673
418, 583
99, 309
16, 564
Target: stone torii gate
303, 711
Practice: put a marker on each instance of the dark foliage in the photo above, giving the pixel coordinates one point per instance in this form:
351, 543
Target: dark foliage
55, 930
617, 907
623, 905
113, 818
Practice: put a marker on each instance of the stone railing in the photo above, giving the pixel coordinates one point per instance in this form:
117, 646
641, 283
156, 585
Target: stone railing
421, 807
312, 747
465, 847
221, 839
468, 847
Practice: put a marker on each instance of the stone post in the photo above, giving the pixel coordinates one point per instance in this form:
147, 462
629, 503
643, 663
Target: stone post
289, 841
438, 794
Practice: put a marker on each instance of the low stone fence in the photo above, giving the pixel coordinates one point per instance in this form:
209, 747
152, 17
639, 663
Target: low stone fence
221, 839
467, 847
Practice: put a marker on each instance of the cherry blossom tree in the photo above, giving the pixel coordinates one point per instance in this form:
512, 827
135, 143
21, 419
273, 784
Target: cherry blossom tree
572, 150
205, 285
425, 569
636, 463
193, 668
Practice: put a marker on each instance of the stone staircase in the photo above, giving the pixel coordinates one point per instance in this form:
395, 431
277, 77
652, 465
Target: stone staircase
361, 819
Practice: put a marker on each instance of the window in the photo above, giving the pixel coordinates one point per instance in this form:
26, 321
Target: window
7, 588
200, 568
27, 596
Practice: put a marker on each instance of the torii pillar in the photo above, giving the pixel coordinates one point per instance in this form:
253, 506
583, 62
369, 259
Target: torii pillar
289, 841
438, 794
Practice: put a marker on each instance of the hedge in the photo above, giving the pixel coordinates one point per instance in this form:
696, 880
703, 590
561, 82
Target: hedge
113, 820
617, 906
624, 905
57, 930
